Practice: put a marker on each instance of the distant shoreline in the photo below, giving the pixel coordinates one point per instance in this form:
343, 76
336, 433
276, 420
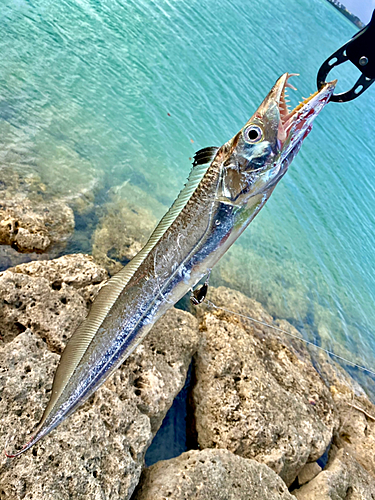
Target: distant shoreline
354, 19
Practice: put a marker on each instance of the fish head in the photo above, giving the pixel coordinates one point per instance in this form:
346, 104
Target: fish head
256, 158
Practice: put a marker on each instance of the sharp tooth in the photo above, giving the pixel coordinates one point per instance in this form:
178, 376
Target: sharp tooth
290, 86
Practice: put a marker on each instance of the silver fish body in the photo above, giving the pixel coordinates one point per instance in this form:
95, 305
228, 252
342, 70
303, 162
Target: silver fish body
227, 188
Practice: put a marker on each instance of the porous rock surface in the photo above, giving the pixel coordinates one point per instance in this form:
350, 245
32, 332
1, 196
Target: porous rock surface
49, 297
356, 433
210, 475
34, 227
342, 479
257, 394
308, 472
34, 224
98, 452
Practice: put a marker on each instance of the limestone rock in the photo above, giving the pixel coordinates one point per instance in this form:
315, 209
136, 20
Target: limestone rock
121, 234
49, 297
125, 226
47, 165
335, 377
342, 479
308, 472
357, 414
257, 395
35, 227
98, 452
210, 475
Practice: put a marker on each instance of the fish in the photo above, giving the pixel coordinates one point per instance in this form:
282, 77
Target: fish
226, 189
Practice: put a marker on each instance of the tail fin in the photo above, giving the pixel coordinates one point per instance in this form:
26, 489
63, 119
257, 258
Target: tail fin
38, 434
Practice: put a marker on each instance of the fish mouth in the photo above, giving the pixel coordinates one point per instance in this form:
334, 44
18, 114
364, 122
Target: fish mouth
295, 124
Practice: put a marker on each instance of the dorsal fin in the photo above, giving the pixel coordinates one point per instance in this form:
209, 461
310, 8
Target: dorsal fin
109, 293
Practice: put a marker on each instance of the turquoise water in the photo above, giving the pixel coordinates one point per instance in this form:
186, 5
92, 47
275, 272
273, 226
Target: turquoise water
96, 95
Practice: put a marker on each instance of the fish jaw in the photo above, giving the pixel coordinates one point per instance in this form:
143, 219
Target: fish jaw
295, 125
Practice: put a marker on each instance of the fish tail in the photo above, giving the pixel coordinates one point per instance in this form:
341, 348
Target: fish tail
34, 439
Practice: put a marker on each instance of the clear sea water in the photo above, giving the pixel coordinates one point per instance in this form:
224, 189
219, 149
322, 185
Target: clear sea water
98, 94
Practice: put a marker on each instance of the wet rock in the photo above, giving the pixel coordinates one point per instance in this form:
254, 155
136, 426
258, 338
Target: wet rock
257, 393
271, 280
356, 433
46, 162
35, 227
97, 452
31, 221
49, 297
210, 475
125, 227
342, 479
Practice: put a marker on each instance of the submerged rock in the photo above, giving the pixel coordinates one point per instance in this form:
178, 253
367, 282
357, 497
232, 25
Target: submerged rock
271, 280
342, 479
49, 297
257, 393
35, 227
97, 452
125, 226
31, 221
210, 475
121, 234
43, 161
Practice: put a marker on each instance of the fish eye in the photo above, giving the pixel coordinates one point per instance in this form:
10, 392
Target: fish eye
253, 134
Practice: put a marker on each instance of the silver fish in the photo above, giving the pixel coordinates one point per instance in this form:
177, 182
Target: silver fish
226, 189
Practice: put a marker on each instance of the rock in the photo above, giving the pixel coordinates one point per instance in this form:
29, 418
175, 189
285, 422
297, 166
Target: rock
357, 431
256, 394
10, 257
342, 479
35, 227
245, 306
31, 221
357, 414
335, 377
49, 164
98, 452
308, 472
272, 280
210, 475
49, 297
125, 226
121, 234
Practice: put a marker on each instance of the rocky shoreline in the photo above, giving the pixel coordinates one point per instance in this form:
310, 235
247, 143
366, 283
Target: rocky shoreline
263, 410
263, 414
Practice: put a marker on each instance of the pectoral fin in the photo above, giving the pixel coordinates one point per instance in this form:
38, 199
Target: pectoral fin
205, 155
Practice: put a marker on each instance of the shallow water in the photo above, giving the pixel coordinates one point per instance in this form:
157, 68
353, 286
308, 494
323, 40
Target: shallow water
95, 94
